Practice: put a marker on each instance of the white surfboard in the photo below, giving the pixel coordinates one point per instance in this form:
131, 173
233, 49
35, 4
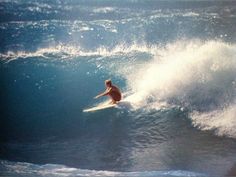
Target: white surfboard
99, 107
106, 105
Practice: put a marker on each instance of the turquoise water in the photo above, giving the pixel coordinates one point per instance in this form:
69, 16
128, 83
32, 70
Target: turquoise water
173, 60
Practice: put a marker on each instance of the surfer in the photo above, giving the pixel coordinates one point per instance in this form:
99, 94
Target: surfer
112, 91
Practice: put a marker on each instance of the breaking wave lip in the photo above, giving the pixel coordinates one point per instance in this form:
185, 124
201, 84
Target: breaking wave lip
62, 170
199, 76
69, 52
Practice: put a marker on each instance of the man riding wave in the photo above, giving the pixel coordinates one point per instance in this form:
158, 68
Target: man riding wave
112, 91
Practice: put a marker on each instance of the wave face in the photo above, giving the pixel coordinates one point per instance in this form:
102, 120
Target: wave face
175, 62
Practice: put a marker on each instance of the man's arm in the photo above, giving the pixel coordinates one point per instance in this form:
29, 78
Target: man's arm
104, 93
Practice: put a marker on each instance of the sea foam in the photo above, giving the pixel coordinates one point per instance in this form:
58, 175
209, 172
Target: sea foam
199, 76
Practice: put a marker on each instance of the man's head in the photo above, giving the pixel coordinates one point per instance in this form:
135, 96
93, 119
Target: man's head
108, 83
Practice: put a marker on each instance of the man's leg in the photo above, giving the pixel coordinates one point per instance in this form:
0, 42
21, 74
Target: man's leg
112, 102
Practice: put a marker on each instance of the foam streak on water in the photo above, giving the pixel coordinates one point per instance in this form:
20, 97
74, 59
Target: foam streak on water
47, 170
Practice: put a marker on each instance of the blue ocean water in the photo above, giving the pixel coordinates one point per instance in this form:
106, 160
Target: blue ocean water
175, 62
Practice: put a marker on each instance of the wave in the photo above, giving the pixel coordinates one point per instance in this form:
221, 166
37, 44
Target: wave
29, 169
199, 76
195, 75
62, 51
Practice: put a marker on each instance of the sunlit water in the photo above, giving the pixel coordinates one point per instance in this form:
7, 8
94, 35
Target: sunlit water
175, 63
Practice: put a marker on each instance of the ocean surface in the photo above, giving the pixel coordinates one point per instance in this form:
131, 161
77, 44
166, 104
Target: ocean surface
175, 62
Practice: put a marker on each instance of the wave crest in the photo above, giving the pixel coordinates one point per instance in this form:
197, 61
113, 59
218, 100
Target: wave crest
62, 51
200, 76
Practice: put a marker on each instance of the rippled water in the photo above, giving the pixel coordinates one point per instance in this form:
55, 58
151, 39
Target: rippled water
173, 60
